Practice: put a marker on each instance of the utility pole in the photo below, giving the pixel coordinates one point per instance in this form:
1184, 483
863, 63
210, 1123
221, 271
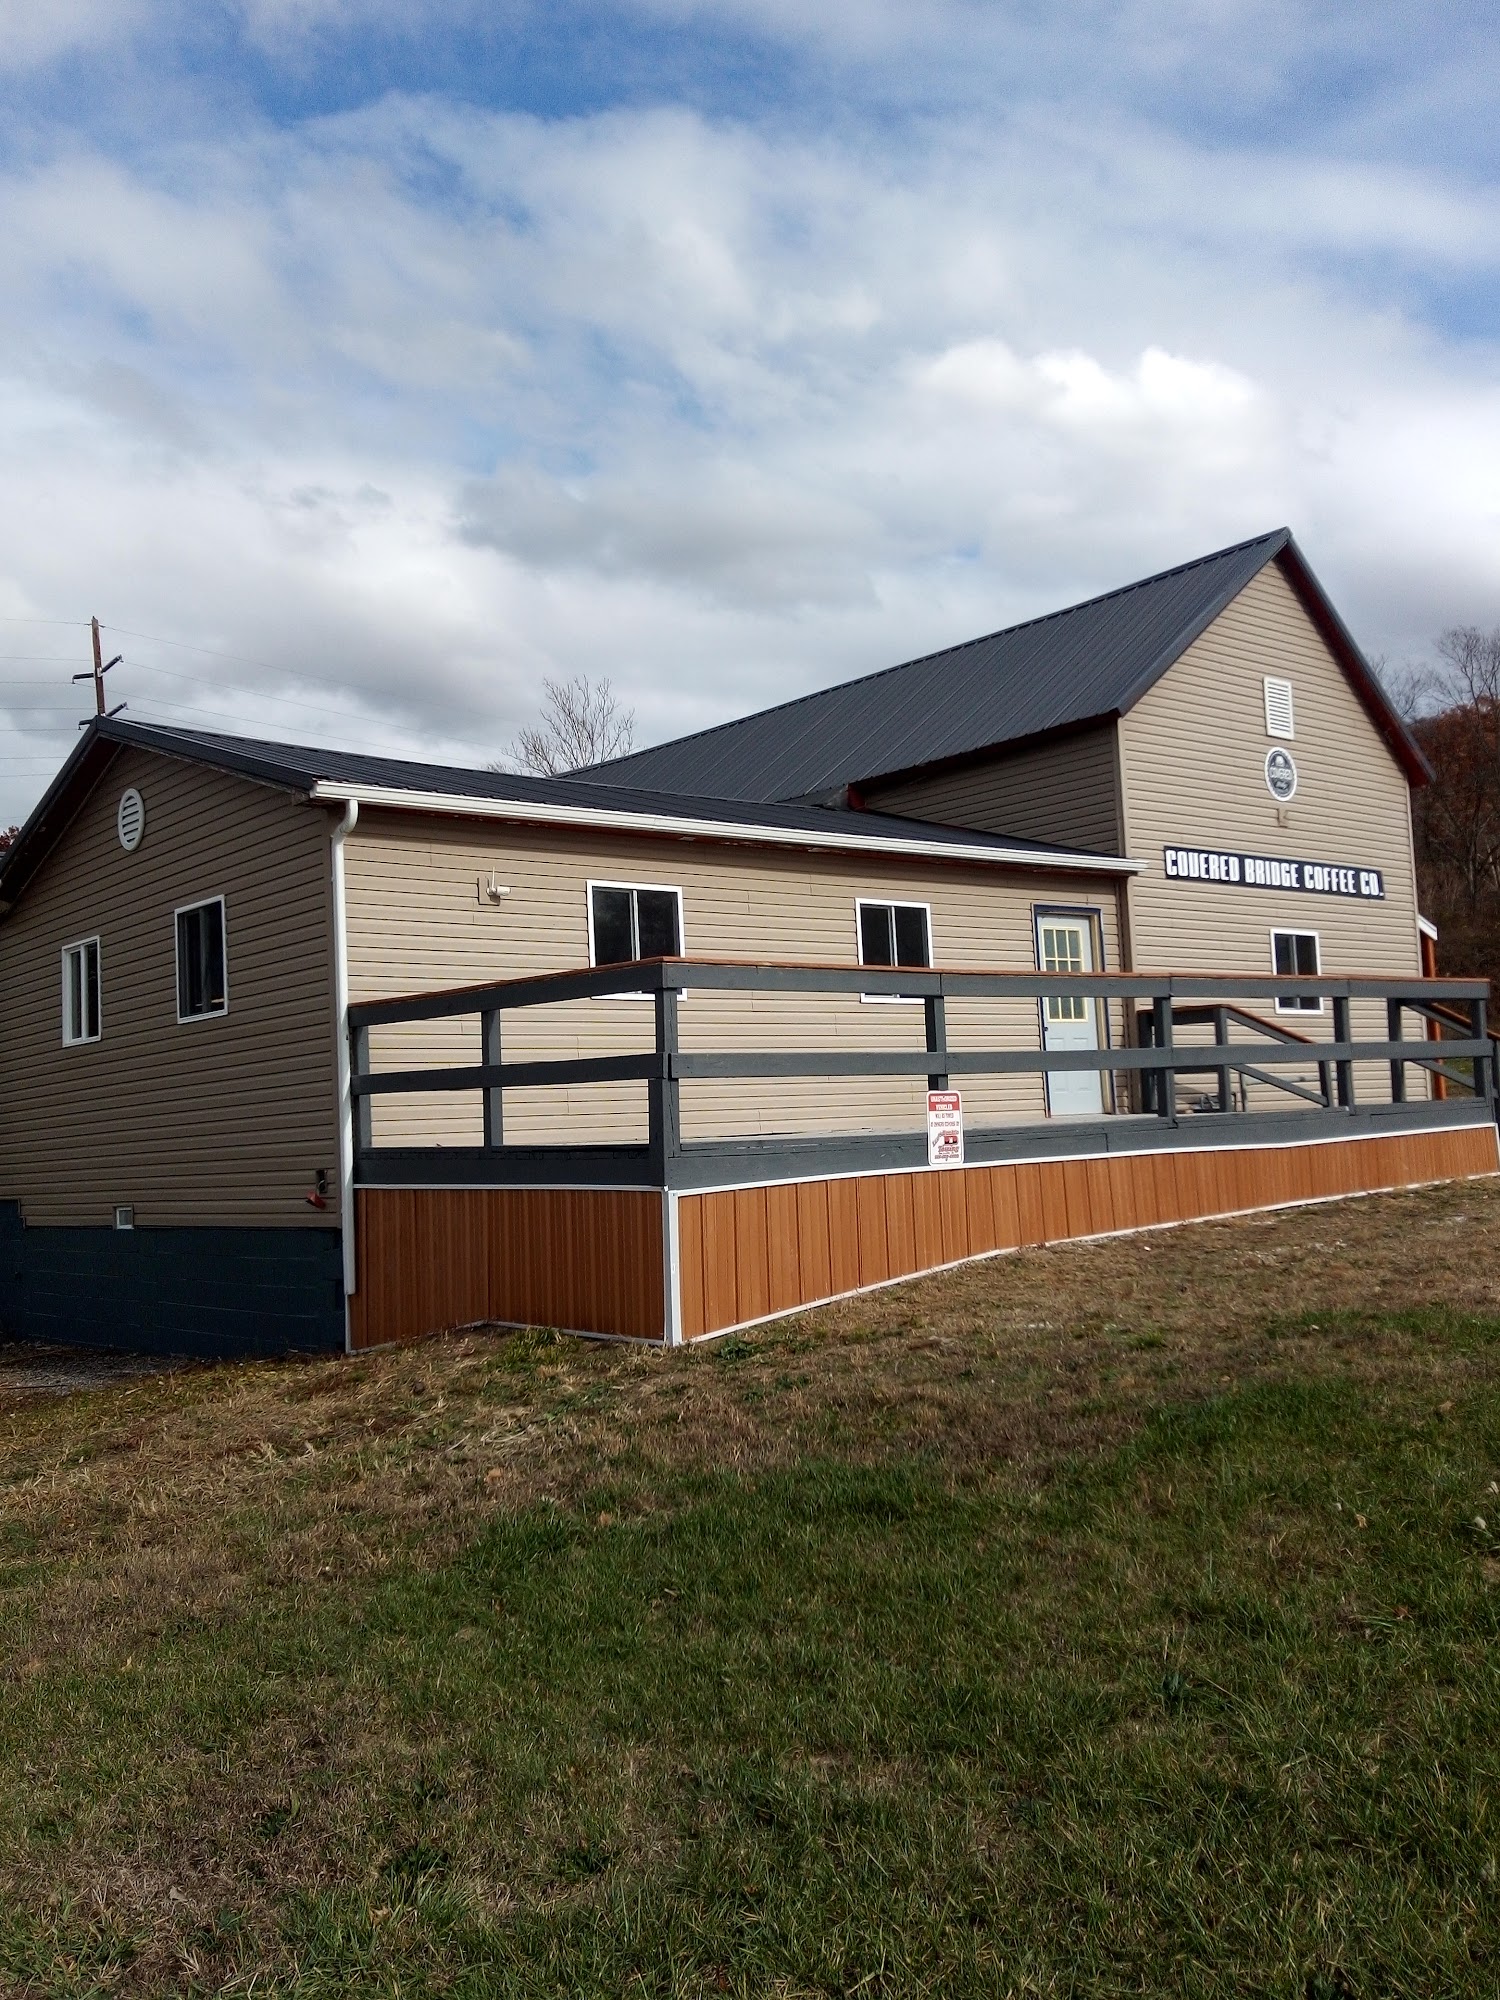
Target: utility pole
100, 668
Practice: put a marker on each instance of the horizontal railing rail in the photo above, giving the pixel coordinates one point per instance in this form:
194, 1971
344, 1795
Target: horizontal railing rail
1153, 1054
656, 975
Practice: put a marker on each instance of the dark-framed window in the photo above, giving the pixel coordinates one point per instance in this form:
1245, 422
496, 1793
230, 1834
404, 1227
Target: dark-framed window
633, 920
1296, 955
894, 933
80, 992
202, 961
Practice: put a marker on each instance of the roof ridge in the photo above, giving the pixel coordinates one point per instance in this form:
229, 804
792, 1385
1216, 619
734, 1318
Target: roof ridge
937, 652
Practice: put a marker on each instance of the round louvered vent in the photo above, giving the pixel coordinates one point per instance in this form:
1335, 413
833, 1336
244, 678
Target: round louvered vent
130, 820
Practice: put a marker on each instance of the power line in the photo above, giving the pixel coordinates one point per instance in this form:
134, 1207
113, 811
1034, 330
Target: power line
242, 687
239, 659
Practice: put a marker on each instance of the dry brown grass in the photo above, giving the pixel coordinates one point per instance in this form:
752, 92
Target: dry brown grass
1017, 1358
194, 1500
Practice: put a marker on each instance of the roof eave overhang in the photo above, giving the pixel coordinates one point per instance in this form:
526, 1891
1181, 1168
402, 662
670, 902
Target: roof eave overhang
686, 826
82, 769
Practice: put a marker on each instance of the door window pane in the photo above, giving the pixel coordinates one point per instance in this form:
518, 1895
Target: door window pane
1062, 951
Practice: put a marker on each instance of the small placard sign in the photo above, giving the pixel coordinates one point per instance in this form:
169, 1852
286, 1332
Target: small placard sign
1266, 871
945, 1128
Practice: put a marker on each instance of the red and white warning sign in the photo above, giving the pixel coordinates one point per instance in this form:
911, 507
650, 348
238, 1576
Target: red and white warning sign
945, 1128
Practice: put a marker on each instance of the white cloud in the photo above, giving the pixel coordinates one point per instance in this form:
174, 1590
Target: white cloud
32, 34
423, 403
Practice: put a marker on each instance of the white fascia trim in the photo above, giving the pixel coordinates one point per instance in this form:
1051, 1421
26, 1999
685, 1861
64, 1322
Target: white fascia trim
1427, 928
463, 807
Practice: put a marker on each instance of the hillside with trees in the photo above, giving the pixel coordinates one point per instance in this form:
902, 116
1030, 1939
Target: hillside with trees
1456, 819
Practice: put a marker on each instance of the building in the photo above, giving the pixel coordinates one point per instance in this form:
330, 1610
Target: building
1195, 775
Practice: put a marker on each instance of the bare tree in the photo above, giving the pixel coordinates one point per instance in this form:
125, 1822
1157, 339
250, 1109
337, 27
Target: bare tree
581, 723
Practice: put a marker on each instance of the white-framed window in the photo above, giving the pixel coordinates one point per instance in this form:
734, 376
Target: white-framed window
80, 992
202, 960
1297, 955
633, 920
1280, 719
893, 934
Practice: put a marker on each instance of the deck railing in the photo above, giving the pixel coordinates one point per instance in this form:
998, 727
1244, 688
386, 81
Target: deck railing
1152, 1007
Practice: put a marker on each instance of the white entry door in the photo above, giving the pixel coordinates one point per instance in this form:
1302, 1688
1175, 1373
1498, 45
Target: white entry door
1066, 944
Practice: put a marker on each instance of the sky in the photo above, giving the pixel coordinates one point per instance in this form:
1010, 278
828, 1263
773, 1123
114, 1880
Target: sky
365, 362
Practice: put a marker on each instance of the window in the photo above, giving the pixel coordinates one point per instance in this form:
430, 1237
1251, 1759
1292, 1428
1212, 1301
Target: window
80, 991
630, 921
1279, 708
1294, 954
893, 934
201, 986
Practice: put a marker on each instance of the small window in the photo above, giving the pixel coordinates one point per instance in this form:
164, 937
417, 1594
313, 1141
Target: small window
628, 922
80, 991
1294, 954
1279, 720
894, 934
201, 986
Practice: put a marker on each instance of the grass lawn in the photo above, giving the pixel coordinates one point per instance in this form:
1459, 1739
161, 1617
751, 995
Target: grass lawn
1112, 1619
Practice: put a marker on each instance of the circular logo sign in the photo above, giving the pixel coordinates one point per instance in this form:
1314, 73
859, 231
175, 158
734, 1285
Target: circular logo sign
1281, 775
130, 820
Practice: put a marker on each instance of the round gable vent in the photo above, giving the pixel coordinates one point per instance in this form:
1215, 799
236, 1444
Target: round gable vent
130, 820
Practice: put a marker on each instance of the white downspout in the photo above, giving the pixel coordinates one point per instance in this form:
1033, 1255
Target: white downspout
341, 833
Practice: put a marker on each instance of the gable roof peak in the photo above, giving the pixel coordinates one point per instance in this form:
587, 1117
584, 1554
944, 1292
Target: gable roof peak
1056, 670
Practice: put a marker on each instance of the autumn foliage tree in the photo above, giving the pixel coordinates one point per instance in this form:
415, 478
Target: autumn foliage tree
1456, 819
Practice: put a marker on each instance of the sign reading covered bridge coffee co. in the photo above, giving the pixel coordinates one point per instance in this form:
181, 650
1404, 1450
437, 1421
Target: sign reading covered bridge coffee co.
1264, 871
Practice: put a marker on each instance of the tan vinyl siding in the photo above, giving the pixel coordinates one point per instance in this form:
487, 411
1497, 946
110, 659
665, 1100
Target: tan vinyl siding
223, 1120
416, 921
1193, 756
1065, 792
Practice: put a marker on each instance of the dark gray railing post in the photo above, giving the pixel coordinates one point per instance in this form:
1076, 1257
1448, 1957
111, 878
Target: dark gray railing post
1221, 1036
937, 1039
491, 1044
359, 1065
664, 1133
1343, 1071
1486, 1081
1161, 1035
1325, 1076
1393, 1034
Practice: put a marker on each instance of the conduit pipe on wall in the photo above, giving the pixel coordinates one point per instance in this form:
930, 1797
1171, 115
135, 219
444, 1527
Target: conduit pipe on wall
341, 833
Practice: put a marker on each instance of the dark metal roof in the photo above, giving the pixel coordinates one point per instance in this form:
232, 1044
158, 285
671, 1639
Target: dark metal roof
302, 768
1087, 663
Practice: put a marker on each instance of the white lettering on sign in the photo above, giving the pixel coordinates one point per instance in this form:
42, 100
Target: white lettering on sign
1267, 871
945, 1128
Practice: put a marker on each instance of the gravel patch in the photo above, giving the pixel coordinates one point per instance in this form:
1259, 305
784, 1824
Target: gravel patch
30, 1370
